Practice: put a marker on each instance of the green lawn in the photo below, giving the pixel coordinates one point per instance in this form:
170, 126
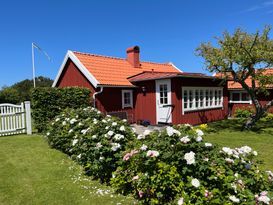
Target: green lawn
228, 133
32, 173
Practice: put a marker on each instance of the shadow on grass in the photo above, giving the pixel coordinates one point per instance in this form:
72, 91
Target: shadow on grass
263, 126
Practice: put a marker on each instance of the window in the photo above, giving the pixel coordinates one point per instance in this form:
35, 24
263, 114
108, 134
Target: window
163, 93
239, 97
127, 98
197, 98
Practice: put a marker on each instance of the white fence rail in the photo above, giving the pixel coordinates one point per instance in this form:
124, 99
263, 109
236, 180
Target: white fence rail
15, 119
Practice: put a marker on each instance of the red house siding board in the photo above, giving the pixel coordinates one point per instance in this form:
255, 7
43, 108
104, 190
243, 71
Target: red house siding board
71, 76
195, 117
145, 107
110, 100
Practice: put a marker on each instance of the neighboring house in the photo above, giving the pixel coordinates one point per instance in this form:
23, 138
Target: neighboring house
239, 98
157, 92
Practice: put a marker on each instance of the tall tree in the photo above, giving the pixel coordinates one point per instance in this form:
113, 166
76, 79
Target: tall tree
240, 56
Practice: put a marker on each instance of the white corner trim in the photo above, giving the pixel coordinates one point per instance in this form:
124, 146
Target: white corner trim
131, 98
175, 67
79, 65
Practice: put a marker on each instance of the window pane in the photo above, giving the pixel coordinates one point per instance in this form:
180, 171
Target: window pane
190, 98
127, 98
201, 98
207, 98
245, 97
216, 97
185, 99
211, 97
220, 97
165, 100
197, 98
235, 96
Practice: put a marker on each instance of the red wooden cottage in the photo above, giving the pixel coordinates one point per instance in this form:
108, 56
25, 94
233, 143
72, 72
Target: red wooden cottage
156, 92
239, 98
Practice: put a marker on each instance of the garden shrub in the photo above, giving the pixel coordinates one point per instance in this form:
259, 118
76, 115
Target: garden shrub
174, 166
95, 141
177, 166
48, 102
243, 113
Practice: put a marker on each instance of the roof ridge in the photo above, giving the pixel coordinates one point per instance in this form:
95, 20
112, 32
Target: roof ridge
118, 58
156, 63
98, 55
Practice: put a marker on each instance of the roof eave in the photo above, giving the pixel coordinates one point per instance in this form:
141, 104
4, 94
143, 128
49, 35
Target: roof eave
178, 76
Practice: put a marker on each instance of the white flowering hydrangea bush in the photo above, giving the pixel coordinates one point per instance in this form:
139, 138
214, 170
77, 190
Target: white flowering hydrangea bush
93, 140
176, 166
63, 131
101, 147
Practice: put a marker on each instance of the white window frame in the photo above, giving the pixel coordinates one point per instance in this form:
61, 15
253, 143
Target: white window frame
131, 99
240, 92
204, 107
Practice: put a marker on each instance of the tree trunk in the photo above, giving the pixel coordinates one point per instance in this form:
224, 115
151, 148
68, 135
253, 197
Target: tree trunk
260, 112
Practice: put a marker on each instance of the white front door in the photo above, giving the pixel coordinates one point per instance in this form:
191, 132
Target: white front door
163, 101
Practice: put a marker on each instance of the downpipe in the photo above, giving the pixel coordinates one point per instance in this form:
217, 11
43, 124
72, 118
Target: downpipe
94, 96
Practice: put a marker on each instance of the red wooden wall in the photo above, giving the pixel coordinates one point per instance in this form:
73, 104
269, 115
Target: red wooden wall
145, 107
261, 97
196, 117
109, 100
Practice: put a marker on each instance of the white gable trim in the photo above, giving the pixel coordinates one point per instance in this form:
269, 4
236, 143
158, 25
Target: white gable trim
79, 65
170, 63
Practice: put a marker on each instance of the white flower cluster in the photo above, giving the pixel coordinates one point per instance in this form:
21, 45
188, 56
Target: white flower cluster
74, 142
152, 153
195, 182
171, 131
118, 137
72, 121
180, 201
143, 147
115, 146
234, 199
190, 157
85, 131
239, 152
185, 139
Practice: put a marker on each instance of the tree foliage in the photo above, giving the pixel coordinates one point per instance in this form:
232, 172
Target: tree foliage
240, 56
21, 91
9, 95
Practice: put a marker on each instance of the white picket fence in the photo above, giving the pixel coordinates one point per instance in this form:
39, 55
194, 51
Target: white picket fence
15, 119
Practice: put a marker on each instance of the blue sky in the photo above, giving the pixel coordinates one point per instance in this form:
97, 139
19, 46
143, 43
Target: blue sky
165, 30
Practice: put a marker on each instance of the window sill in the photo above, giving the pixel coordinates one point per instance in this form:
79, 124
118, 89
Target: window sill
205, 108
127, 106
240, 102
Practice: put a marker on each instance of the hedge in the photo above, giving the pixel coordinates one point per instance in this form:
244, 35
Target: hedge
49, 102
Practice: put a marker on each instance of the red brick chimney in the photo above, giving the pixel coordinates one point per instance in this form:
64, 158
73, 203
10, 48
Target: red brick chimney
133, 56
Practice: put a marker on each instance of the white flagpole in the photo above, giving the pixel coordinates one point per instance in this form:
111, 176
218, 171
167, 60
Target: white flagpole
33, 67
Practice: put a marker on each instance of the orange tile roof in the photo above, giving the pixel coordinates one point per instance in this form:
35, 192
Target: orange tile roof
115, 71
235, 85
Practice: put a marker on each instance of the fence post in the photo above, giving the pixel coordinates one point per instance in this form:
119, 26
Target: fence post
28, 117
